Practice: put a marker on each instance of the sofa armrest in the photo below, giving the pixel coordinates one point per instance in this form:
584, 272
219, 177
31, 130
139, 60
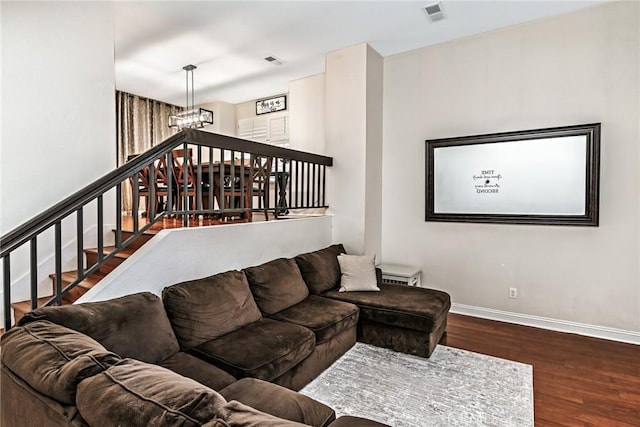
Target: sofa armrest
348, 421
237, 414
279, 401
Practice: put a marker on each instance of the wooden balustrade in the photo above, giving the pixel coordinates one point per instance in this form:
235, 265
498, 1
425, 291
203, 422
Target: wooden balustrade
190, 175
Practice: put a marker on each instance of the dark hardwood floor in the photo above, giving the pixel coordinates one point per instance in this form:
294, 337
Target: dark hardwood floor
577, 380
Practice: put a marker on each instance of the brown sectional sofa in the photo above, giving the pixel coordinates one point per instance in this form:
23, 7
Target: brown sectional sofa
226, 350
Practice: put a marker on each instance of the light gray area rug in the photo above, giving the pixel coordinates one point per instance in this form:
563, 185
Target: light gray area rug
452, 388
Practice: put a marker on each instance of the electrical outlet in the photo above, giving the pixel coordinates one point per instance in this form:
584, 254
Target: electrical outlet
513, 292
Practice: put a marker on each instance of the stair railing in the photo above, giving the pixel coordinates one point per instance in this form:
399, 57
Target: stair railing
297, 181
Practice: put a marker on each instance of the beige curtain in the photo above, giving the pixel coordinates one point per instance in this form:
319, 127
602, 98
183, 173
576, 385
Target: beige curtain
142, 123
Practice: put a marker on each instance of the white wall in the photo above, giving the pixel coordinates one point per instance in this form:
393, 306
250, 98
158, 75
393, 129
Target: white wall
577, 68
58, 115
177, 255
58, 118
224, 123
373, 152
224, 118
246, 110
307, 114
353, 75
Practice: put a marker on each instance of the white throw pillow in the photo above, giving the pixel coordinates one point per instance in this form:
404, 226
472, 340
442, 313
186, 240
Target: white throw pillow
358, 273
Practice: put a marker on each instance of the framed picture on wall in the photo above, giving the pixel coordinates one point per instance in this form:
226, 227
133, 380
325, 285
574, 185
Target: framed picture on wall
271, 105
542, 176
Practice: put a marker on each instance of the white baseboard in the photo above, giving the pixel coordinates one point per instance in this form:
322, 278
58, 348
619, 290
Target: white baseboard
622, 335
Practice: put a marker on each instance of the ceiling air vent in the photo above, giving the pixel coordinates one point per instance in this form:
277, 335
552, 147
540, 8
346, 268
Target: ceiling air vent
434, 12
273, 60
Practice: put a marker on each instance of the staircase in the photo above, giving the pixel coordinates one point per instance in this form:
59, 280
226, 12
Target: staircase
305, 186
91, 256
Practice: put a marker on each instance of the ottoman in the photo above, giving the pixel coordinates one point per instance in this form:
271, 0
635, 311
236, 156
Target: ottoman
402, 318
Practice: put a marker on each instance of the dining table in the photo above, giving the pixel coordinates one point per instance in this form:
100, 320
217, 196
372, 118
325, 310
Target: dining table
232, 195
231, 202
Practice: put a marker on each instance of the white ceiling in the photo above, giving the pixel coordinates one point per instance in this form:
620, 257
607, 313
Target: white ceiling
227, 40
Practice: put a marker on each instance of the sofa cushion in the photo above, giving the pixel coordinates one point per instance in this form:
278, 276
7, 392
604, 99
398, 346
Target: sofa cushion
279, 401
265, 349
149, 394
53, 359
276, 285
134, 326
204, 309
320, 269
324, 316
399, 305
358, 273
236, 414
197, 369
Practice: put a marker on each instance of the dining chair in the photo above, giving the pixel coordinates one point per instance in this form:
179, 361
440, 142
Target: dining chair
184, 160
143, 185
159, 182
257, 185
233, 191
261, 168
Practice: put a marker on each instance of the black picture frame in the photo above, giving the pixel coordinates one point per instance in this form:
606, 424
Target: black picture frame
271, 105
442, 155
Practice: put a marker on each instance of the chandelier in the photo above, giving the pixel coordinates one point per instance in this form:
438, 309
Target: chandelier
190, 117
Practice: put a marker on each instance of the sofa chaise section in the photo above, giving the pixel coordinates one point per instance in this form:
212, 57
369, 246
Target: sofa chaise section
403, 318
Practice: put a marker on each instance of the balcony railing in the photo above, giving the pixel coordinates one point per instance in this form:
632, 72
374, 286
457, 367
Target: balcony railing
191, 174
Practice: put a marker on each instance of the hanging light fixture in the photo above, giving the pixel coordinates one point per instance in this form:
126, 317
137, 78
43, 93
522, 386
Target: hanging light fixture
191, 117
